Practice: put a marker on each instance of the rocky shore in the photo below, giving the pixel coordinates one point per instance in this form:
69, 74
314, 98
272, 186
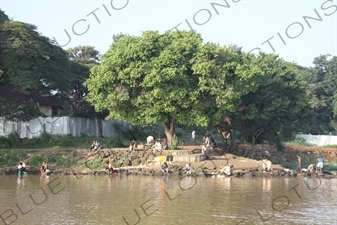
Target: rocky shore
174, 170
144, 161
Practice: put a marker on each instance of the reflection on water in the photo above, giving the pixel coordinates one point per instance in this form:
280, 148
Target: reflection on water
166, 200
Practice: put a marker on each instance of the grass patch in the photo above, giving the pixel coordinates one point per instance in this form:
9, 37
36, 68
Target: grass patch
12, 157
96, 163
36, 161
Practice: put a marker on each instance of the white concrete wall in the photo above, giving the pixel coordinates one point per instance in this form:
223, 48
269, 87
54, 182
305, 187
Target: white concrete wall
318, 140
59, 125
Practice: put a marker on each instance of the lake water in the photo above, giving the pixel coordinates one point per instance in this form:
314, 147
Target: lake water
166, 200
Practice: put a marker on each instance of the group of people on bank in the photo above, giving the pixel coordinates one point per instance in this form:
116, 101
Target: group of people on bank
312, 167
96, 146
187, 169
267, 165
156, 144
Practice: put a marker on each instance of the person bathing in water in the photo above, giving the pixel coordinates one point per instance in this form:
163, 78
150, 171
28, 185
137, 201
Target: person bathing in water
44, 167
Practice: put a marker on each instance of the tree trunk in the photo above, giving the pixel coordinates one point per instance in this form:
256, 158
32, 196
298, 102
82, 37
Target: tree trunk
225, 135
255, 134
233, 142
169, 127
253, 146
225, 130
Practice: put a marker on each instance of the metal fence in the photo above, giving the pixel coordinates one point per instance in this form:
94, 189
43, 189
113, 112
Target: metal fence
61, 126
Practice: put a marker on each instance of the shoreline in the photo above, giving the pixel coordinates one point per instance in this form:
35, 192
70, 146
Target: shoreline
173, 171
81, 161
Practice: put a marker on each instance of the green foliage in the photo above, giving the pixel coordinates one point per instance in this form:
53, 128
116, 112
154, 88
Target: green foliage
329, 166
115, 141
3, 17
14, 109
130, 133
96, 163
11, 157
321, 85
277, 109
175, 143
138, 78
5, 143
28, 57
66, 141
36, 161
51, 159
61, 160
84, 54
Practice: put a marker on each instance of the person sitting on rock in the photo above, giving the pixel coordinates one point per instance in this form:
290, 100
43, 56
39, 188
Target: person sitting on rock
97, 145
266, 165
164, 168
132, 145
93, 145
150, 140
158, 145
188, 168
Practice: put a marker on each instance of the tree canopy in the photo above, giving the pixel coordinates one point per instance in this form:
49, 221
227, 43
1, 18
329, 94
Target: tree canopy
173, 78
32, 61
148, 80
321, 83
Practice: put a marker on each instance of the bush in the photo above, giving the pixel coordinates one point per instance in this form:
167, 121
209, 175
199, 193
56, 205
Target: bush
66, 141
175, 143
36, 161
96, 163
51, 159
61, 161
115, 141
5, 143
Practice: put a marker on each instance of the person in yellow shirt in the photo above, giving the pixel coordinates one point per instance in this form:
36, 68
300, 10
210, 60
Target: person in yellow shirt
266, 165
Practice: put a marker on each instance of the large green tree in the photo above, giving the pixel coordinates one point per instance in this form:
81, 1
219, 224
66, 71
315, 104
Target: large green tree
32, 61
82, 59
149, 80
278, 108
225, 75
322, 85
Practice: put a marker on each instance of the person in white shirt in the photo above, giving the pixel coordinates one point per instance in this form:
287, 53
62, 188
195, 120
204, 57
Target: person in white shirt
150, 140
158, 145
193, 138
188, 168
266, 165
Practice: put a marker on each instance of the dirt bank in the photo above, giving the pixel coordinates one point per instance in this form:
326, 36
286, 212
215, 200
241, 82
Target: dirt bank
81, 161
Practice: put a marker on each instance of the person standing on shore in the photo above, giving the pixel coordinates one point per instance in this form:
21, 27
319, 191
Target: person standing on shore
193, 138
299, 164
266, 165
320, 164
